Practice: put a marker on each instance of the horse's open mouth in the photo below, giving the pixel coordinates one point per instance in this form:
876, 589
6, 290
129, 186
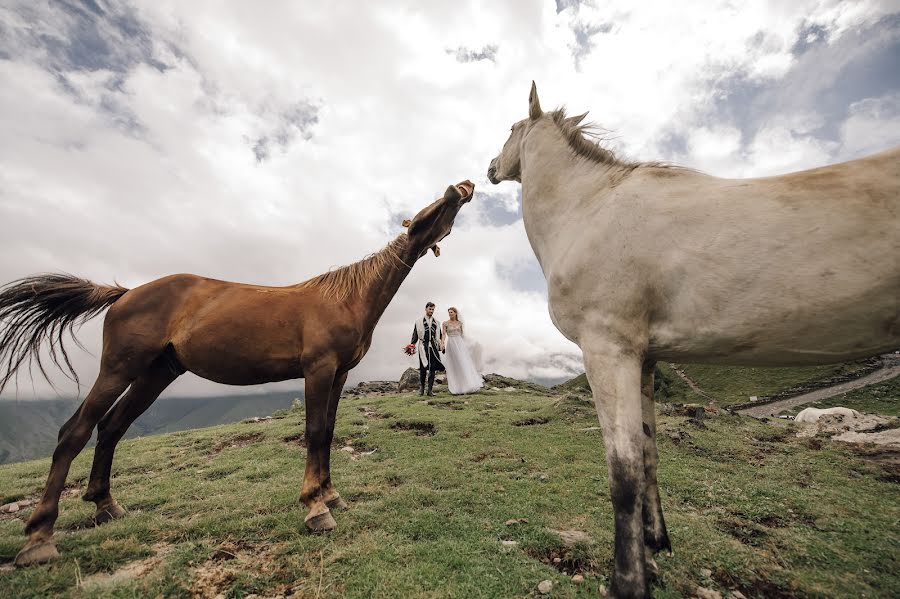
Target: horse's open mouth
467, 189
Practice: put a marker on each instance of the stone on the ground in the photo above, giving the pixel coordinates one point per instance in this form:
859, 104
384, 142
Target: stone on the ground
506, 543
736, 595
409, 380
10, 508
570, 538
705, 572
578, 579
545, 586
704, 593
348, 449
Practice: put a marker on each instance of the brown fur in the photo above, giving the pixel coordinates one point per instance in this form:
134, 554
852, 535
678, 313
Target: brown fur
231, 333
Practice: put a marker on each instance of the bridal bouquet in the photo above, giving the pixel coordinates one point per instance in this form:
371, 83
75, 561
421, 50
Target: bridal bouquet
410, 349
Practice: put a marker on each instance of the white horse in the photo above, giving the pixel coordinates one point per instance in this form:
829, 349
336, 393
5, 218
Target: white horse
812, 415
646, 262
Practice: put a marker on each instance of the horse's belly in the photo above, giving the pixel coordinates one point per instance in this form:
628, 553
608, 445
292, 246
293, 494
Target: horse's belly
779, 342
234, 354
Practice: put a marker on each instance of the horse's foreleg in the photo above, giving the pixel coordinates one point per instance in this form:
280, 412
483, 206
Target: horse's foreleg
319, 383
332, 497
75, 434
112, 427
615, 378
656, 538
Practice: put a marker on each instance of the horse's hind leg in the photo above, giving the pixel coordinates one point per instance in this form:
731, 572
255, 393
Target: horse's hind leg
332, 498
75, 434
656, 538
112, 427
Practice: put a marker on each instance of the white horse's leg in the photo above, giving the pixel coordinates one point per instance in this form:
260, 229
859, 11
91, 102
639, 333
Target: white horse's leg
615, 378
656, 538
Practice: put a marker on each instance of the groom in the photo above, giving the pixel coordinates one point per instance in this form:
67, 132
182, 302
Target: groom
427, 337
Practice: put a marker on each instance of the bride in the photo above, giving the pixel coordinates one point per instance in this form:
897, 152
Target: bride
461, 357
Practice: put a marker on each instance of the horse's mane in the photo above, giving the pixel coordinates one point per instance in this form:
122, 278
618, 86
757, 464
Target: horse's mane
586, 140
343, 281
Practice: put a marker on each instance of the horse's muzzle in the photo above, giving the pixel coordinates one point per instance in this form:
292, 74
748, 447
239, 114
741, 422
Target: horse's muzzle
492, 174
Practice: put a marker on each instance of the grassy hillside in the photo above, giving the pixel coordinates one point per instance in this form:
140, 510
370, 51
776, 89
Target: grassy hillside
749, 507
732, 385
735, 385
28, 429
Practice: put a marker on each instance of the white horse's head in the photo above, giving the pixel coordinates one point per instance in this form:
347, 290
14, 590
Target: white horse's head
506, 166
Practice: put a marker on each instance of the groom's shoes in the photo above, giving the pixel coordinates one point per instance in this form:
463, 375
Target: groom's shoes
422, 389
429, 392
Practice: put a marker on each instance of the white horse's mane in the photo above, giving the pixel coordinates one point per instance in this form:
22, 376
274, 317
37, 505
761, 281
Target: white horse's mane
586, 140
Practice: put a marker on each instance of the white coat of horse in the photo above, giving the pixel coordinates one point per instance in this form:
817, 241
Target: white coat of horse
646, 262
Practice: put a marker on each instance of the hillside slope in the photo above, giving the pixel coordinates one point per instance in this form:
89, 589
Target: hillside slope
28, 429
436, 487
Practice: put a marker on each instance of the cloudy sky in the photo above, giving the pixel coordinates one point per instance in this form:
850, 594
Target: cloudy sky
269, 142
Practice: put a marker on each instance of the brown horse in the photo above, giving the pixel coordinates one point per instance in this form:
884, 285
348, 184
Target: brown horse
230, 333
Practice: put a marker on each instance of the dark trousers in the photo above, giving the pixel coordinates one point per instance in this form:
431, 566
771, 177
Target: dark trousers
423, 371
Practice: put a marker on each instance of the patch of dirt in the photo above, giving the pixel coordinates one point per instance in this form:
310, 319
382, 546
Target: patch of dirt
531, 421
568, 560
130, 571
370, 412
297, 438
745, 531
241, 440
757, 587
884, 460
230, 560
448, 404
422, 429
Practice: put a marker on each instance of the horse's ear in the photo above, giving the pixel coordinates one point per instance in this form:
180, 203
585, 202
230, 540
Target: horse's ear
534, 105
406, 223
574, 120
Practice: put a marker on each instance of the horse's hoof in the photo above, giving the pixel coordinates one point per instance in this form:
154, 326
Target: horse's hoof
38, 553
320, 522
337, 503
113, 511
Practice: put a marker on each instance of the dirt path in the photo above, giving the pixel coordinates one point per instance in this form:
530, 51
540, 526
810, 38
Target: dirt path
691, 382
774, 408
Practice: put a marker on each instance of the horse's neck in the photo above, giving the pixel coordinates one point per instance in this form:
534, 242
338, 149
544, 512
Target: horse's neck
555, 184
375, 296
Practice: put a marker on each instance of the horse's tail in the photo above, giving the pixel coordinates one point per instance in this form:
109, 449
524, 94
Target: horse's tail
44, 307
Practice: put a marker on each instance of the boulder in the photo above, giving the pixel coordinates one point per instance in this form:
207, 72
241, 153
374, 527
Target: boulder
409, 380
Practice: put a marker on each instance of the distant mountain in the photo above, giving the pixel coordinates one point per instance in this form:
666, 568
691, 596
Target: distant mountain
28, 429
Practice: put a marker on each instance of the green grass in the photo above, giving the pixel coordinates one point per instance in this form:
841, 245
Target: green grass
765, 512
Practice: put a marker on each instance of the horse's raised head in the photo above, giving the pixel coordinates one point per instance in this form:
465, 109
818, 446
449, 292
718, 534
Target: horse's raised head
506, 166
434, 222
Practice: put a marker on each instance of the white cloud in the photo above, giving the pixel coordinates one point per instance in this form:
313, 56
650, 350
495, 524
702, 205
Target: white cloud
873, 125
269, 144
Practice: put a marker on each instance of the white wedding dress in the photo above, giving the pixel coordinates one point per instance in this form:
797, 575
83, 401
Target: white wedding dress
462, 360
